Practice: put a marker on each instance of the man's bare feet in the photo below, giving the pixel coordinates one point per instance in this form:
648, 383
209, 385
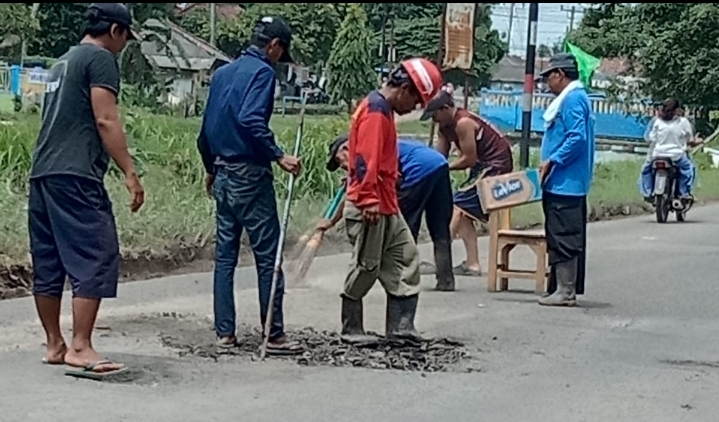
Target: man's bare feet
465, 269
86, 357
55, 353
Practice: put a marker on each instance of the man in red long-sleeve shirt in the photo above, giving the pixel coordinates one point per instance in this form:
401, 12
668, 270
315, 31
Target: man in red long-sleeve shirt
383, 245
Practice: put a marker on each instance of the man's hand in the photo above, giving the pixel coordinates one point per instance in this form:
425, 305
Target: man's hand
371, 214
137, 192
696, 141
324, 225
290, 164
544, 170
209, 181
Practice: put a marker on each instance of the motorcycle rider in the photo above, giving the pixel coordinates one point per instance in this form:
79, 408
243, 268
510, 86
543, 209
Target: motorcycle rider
669, 134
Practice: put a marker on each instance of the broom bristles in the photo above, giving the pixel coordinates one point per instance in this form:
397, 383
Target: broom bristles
298, 271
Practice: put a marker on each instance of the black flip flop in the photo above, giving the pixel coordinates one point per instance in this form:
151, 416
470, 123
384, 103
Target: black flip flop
463, 270
88, 372
291, 348
227, 345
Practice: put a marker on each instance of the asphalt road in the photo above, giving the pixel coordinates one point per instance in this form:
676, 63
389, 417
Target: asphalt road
643, 346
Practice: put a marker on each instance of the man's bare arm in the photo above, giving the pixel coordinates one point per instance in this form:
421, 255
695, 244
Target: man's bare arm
107, 119
467, 145
443, 145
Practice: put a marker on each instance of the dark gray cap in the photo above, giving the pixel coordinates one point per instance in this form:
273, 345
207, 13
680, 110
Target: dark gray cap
271, 27
560, 61
442, 99
332, 163
111, 13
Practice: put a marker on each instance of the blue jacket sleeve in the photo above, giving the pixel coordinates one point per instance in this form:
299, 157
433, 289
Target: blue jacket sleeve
253, 116
574, 115
204, 147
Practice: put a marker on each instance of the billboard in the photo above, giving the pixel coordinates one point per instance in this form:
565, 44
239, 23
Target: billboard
458, 36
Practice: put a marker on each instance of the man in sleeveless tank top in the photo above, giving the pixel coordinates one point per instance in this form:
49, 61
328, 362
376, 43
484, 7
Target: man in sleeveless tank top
483, 151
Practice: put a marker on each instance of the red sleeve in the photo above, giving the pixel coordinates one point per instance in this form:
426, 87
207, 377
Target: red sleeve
372, 132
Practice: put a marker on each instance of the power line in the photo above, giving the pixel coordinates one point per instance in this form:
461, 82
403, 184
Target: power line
572, 11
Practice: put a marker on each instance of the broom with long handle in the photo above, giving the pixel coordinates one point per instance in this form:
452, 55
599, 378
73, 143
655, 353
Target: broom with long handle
706, 140
283, 235
304, 261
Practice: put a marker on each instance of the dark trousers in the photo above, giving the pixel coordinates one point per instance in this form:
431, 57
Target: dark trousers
73, 235
245, 198
565, 221
433, 198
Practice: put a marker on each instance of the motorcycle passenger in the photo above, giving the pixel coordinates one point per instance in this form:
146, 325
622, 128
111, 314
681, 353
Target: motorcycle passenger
669, 134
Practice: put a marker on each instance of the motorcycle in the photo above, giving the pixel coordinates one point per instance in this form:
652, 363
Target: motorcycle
666, 191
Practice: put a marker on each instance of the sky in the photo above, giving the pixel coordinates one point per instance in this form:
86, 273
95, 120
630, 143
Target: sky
553, 22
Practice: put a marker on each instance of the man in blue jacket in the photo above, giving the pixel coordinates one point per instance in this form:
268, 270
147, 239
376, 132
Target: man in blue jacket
566, 171
424, 188
238, 149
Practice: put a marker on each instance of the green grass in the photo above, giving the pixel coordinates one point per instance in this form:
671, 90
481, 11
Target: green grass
6, 104
291, 121
178, 214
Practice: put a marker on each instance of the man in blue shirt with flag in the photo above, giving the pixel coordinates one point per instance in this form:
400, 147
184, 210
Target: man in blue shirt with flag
566, 171
238, 149
424, 187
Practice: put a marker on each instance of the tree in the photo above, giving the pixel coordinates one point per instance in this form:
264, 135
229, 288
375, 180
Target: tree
314, 26
611, 31
61, 24
16, 26
350, 63
399, 12
674, 47
420, 37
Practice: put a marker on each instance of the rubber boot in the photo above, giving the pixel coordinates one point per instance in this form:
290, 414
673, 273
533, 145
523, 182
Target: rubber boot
353, 323
400, 318
566, 281
443, 258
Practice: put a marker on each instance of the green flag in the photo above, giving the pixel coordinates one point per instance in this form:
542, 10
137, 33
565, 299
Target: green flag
586, 63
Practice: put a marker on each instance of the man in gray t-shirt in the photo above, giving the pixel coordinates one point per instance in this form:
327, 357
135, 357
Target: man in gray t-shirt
71, 223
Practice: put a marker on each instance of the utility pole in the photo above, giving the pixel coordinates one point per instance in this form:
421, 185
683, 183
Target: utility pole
382, 47
511, 25
528, 85
23, 46
213, 22
572, 12
391, 37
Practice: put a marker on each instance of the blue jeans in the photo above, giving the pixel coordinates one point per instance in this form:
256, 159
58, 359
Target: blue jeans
687, 173
245, 199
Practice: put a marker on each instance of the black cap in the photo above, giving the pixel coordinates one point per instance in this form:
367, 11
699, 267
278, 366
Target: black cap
111, 13
560, 61
332, 163
271, 27
442, 99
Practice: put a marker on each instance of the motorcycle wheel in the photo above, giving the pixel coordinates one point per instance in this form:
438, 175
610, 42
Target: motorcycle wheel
661, 209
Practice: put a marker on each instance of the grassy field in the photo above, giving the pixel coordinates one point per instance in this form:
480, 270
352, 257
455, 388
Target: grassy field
6, 104
178, 215
291, 121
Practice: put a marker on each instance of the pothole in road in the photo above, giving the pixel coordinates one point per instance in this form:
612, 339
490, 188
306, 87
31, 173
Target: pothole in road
325, 348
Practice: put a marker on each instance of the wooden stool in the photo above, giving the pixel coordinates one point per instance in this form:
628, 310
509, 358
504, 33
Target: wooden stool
503, 239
